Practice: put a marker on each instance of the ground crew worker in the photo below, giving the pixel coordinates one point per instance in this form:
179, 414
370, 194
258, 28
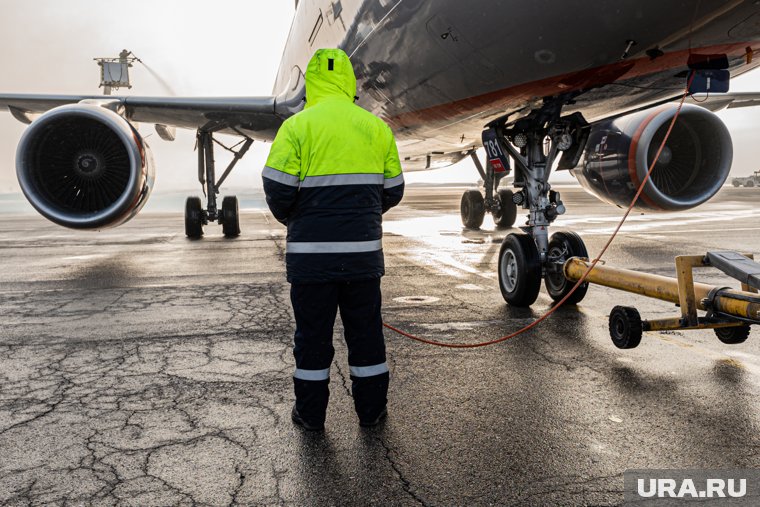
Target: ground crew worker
332, 172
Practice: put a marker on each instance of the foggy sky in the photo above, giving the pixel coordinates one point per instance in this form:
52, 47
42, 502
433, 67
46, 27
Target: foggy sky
223, 48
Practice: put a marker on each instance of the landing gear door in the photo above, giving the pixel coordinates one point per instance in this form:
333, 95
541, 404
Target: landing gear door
495, 153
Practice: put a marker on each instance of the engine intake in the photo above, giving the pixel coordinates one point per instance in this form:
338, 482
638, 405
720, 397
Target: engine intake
692, 167
85, 167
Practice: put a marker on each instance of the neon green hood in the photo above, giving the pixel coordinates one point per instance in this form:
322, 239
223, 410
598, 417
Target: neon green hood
329, 75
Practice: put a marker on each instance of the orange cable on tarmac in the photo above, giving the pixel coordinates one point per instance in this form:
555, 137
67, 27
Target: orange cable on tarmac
585, 275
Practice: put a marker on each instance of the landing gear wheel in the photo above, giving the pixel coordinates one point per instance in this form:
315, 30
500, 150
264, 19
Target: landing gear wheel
230, 217
625, 327
505, 217
193, 218
732, 335
473, 209
562, 246
519, 270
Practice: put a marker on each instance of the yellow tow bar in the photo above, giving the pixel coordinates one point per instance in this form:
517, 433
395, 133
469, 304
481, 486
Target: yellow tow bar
729, 312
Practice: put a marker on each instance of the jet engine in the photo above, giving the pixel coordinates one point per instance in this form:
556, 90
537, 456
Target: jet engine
692, 167
84, 166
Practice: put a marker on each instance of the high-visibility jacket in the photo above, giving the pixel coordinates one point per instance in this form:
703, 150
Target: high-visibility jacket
332, 171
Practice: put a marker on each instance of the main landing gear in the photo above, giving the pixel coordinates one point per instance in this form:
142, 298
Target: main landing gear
497, 201
228, 217
534, 143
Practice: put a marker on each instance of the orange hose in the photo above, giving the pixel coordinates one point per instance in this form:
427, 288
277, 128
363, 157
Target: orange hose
583, 278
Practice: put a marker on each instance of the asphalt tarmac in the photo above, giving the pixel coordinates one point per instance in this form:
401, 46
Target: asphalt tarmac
141, 368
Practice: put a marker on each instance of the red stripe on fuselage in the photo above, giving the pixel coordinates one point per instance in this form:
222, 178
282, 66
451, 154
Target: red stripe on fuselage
514, 98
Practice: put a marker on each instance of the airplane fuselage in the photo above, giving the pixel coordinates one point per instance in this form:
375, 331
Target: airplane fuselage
438, 71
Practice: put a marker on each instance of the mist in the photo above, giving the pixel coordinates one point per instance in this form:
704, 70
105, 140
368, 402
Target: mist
230, 48
225, 49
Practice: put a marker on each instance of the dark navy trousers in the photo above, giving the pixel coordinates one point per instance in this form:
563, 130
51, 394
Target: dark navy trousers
315, 307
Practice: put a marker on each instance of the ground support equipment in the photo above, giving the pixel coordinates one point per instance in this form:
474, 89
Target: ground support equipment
728, 312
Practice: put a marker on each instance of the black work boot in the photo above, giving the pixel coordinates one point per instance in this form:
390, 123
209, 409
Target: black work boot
370, 398
374, 422
297, 419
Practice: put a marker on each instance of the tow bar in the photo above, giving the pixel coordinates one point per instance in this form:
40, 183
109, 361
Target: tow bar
729, 312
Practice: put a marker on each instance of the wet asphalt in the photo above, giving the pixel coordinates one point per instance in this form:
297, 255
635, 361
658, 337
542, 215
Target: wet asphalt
141, 368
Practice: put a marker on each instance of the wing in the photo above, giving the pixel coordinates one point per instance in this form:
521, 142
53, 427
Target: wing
258, 117
722, 101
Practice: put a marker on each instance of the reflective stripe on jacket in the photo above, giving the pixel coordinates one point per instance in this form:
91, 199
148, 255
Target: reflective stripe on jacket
332, 171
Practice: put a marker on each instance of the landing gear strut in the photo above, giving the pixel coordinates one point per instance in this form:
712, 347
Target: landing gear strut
534, 143
228, 217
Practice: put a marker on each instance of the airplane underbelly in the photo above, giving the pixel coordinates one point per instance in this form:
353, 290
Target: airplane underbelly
442, 69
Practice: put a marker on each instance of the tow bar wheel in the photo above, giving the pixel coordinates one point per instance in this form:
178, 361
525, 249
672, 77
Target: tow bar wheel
732, 335
519, 270
625, 327
562, 246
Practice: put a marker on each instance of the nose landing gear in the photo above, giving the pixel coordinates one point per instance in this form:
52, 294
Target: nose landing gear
534, 143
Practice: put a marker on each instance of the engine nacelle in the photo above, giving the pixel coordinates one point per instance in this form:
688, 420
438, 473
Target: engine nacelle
85, 167
692, 167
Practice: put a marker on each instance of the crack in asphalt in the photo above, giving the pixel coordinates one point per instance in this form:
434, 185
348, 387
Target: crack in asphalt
342, 377
110, 415
405, 483
166, 418
569, 366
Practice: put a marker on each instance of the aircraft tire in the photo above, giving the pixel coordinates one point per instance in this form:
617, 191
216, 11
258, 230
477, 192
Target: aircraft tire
519, 270
193, 218
732, 335
562, 246
507, 214
625, 327
230, 217
473, 209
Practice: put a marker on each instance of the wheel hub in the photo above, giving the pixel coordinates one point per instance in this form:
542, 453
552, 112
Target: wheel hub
619, 328
556, 260
509, 270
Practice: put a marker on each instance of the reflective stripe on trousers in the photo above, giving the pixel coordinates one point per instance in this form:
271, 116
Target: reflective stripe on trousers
369, 371
312, 375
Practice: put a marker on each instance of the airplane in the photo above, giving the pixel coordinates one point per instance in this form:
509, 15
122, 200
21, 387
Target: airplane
578, 85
